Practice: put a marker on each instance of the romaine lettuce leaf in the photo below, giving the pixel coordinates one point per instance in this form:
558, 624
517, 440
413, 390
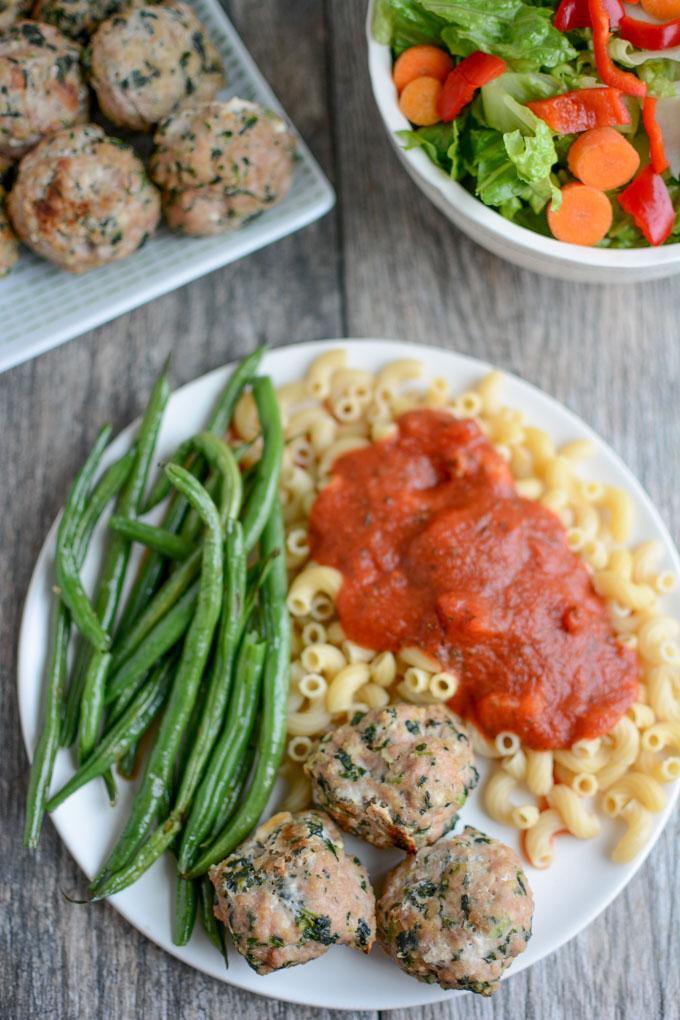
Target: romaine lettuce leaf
441, 142
498, 180
659, 71
522, 88
404, 23
520, 32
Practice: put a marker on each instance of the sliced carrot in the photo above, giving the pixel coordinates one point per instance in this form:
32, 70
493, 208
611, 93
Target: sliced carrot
418, 101
664, 10
584, 217
421, 62
602, 158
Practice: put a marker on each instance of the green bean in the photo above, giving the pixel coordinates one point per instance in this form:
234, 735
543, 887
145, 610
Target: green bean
106, 488
126, 862
219, 456
160, 640
92, 705
48, 741
125, 732
111, 787
151, 571
186, 902
222, 812
127, 763
272, 733
67, 568
167, 543
228, 753
161, 488
264, 492
216, 932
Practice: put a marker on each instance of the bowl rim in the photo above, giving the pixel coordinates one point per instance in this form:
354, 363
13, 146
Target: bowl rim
469, 208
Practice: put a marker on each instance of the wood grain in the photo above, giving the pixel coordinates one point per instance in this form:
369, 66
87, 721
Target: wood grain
385, 263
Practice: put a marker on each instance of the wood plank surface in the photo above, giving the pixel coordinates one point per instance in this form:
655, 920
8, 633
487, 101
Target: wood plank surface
384, 263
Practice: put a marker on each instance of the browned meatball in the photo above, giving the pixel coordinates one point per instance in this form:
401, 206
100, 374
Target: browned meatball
11, 11
9, 248
41, 86
290, 891
77, 18
219, 164
457, 913
395, 776
147, 59
82, 199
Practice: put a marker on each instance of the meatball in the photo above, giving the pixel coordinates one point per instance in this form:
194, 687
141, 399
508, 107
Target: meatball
149, 58
77, 18
41, 86
220, 163
82, 199
457, 913
11, 11
395, 776
290, 891
9, 248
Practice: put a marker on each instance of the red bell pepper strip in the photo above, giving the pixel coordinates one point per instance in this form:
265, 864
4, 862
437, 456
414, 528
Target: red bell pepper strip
609, 73
657, 153
649, 203
582, 109
649, 35
461, 84
575, 14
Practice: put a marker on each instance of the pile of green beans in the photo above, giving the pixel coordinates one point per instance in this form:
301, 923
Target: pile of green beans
202, 642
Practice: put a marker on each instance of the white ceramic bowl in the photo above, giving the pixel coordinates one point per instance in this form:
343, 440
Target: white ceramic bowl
515, 244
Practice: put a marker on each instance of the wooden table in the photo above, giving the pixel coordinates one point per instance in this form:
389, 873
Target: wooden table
384, 263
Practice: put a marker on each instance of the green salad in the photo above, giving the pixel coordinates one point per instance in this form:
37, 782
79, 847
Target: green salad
564, 117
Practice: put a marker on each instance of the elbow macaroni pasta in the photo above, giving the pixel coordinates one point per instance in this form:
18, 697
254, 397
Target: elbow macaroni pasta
337, 408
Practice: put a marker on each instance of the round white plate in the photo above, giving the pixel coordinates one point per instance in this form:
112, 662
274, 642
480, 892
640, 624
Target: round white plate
569, 895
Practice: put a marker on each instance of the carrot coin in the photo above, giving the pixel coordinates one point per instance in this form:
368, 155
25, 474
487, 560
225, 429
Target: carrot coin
603, 158
421, 62
418, 101
584, 216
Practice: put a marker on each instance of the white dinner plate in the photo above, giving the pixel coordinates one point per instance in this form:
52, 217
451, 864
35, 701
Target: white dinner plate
569, 895
42, 306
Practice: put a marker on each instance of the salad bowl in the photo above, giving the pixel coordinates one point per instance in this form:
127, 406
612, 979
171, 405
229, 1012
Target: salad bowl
516, 244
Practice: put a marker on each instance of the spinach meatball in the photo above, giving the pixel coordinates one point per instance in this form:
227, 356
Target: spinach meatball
41, 86
290, 891
395, 776
11, 11
457, 913
218, 164
77, 18
147, 59
9, 248
82, 199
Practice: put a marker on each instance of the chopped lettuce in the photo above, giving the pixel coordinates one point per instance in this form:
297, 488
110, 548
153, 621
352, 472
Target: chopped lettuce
519, 32
499, 181
441, 142
499, 113
404, 23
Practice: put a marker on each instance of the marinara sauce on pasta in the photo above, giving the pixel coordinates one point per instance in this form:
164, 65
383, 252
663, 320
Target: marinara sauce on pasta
438, 550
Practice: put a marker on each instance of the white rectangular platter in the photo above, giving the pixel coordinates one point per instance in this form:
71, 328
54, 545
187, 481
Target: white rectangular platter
42, 306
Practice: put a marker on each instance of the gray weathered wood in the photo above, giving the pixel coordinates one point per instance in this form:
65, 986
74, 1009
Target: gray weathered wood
385, 263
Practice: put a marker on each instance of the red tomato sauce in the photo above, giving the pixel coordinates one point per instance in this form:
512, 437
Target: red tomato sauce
438, 550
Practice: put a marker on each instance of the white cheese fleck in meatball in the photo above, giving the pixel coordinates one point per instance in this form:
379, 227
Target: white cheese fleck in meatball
82, 199
290, 891
395, 776
219, 164
457, 913
147, 59
41, 86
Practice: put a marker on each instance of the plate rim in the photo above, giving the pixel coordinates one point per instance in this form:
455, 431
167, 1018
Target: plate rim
625, 872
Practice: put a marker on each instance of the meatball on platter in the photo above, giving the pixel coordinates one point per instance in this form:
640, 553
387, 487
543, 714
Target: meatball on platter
393, 886
142, 71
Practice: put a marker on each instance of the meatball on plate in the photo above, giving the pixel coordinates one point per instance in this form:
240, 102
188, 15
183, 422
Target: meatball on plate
82, 199
41, 86
290, 892
395, 776
77, 18
150, 57
457, 913
219, 164
9, 247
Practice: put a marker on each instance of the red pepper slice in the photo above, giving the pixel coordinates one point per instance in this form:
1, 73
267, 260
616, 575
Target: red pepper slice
649, 35
609, 73
657, 153
575, 14
649, 203
461, 84
582, 109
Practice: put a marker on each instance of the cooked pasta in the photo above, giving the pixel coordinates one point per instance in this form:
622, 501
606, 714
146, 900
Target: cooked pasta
338, 408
